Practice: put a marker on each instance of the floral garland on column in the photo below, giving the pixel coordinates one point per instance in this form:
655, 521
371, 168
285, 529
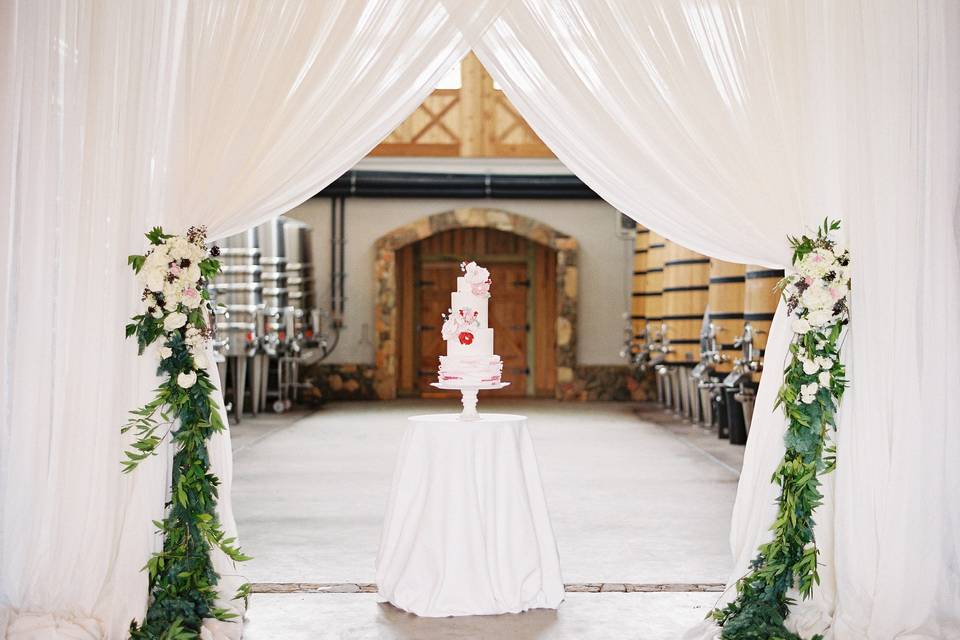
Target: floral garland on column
813, 385
183, 582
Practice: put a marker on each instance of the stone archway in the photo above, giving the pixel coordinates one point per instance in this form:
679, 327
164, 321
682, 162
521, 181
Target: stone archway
385, 273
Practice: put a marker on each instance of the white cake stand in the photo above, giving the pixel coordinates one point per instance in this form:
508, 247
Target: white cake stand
469, 395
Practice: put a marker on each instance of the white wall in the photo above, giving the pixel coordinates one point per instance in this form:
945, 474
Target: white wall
605, 262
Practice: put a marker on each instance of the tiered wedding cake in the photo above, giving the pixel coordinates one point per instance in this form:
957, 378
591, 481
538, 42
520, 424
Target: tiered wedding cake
470, 359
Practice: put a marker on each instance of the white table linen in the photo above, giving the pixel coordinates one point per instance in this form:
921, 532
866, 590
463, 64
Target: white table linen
467, 531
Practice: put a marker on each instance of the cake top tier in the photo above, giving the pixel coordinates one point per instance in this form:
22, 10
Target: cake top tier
475, 280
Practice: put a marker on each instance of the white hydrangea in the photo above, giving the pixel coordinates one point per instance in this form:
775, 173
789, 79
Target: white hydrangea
824, 362
810, 367
800, 325
817, 263
817, 297
808, 392
820, 317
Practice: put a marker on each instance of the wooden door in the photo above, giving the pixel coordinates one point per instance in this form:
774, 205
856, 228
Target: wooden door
436, 280
508, 319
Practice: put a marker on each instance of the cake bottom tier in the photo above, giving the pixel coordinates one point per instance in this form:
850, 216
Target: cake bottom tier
470, 370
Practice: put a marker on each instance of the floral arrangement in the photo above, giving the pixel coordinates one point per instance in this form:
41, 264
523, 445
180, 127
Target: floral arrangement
477, 277
176, 310
817, 296
458, 325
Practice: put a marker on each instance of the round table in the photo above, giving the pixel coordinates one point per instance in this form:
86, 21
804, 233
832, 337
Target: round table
467, 531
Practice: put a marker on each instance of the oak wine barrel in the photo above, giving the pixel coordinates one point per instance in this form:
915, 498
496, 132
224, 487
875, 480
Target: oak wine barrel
686, 277
760, 299
654, 282
638, 314
725, 305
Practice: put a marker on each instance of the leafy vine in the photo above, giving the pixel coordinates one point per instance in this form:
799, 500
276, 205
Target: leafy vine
814, 382
176, 308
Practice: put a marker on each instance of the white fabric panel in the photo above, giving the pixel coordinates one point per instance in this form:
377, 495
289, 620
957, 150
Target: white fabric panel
114, 118
727, 125
467, 530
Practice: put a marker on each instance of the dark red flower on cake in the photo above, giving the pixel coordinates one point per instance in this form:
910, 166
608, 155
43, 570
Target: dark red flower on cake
466, 337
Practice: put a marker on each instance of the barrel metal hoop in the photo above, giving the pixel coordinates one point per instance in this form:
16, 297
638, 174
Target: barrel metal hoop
770, 273
640, 294
656, 270
738, 315
726, 279
685, 341
695, 287
638, 317
671, 263
686, 317
640, 231
657, 246
639, 251
640, 273
758, 316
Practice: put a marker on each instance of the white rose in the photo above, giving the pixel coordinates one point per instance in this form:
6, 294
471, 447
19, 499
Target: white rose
199, 360
810, 367
824, 379
192, 273
800, 326
187, 380
808, 392
165, 352
174, 321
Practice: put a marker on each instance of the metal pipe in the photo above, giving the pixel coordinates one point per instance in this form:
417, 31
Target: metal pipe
403, 184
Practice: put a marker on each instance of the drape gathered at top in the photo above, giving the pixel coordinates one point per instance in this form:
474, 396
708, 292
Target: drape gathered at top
116, 117
727, 125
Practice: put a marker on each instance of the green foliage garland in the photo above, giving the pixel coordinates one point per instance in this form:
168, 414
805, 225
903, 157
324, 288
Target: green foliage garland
814, 382
182, 578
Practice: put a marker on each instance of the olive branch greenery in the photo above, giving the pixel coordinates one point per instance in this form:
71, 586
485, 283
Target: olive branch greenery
182, 579
789, 560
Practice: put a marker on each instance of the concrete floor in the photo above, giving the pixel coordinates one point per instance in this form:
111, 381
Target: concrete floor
633, 500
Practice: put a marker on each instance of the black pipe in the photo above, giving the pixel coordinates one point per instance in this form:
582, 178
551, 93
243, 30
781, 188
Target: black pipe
343, 252
333, 258
403, 184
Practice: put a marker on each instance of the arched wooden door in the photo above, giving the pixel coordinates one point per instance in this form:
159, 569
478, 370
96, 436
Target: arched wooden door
522, 307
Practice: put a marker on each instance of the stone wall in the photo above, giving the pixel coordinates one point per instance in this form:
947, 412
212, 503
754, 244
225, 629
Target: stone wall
608, 382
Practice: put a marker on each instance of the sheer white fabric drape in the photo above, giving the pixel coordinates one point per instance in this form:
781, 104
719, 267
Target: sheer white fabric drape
726, 125
114, 118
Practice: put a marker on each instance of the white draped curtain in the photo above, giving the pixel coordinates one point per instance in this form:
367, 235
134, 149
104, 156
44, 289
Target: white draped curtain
728, 124
116, 117
723, 124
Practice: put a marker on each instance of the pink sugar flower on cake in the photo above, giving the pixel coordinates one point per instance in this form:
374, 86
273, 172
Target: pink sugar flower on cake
477, 277
468, 316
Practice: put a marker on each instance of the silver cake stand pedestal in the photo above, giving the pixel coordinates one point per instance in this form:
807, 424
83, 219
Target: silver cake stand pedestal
469, 396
